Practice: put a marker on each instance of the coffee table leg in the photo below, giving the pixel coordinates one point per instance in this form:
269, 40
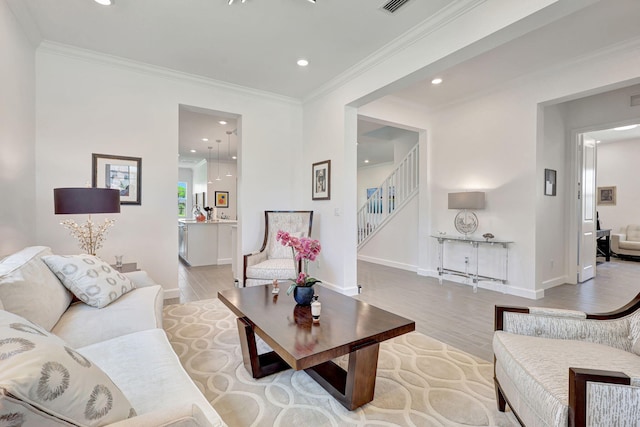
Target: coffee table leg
258, 365
354, 387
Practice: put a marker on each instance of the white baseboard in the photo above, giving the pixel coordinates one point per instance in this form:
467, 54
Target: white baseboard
388, 263
224, 261
172, 293
552, 283
348, 291
489, 285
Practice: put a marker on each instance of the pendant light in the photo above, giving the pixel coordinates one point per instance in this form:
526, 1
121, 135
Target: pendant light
228, 152
218, 157
209, 167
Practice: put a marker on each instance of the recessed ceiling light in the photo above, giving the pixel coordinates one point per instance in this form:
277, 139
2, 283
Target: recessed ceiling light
222, 122
193, 151
234, 157
303, 62
626, 127
104, 2
366, 161
205, 139
436, 81
598, 142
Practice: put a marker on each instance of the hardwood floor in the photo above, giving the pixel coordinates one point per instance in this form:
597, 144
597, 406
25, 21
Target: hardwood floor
451, 312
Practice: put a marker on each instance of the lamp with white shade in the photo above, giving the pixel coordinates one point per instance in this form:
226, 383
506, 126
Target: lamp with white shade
466, 221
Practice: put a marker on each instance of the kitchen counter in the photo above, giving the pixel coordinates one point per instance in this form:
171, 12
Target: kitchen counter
205, 242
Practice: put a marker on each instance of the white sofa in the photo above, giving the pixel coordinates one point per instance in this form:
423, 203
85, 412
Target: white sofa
568, 368
125, 340
627, 243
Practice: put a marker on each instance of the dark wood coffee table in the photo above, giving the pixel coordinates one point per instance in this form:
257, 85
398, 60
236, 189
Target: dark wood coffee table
347, 326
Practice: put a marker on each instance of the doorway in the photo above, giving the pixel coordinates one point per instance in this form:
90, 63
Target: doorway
605, 171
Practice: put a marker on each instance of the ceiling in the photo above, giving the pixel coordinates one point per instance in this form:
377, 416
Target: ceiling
612, 135
254, 44
196, 124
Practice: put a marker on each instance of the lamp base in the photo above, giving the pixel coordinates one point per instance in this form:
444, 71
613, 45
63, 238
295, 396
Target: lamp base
466, 222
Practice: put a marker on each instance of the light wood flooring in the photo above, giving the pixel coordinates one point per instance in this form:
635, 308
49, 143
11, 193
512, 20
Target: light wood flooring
451, 312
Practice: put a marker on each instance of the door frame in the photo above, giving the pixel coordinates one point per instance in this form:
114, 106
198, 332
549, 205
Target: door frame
572, 202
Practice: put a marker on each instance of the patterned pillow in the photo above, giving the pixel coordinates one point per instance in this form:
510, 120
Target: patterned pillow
89, 278
41, 376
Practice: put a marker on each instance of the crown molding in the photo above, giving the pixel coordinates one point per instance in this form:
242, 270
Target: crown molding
439, 20
95, 57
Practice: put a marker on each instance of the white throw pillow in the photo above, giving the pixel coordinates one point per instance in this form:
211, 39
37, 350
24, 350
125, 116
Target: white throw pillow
29, 289
47, 378
90, 279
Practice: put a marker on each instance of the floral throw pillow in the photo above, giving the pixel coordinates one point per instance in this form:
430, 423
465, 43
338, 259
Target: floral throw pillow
41, 376
89, 278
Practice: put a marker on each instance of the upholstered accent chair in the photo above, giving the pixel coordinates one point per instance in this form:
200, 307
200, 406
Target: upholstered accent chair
274, 261
568, 368
628, 243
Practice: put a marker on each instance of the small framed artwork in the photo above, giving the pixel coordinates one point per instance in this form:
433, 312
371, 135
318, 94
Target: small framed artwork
549, 182
321, 180
120, 173
607, 196
222, 199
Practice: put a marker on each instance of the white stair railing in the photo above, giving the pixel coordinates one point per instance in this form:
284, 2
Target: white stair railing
394, 191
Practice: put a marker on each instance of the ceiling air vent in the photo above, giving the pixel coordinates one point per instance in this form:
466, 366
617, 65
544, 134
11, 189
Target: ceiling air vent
392, 6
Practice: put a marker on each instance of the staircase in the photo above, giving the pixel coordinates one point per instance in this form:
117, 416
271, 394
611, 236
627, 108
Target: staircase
394, 192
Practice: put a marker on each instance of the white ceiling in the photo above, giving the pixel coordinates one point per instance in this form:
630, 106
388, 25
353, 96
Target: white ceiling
612, 135
255, 44
194, 124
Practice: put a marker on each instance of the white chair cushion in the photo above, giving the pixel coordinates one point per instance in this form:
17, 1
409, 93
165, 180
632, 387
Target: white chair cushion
534, 372
633, 232
29, 289
40, 370
294, 223
90, 279
275, 249
275, 268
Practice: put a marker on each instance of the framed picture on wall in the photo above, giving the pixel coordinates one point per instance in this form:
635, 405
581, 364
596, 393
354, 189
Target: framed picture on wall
321, 180
120, 173
549, 182
222, 199
607, 196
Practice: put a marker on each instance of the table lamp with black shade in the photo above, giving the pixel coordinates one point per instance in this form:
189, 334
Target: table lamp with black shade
87, 201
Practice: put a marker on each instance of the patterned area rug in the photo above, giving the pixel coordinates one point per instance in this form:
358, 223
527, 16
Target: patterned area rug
420, 381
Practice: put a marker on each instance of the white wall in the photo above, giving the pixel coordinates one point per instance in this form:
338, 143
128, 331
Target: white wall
17, 136
226, 183
618, 166
334, 137
90, 103
395, 244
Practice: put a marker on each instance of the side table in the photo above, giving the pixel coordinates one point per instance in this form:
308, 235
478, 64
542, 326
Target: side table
127, 267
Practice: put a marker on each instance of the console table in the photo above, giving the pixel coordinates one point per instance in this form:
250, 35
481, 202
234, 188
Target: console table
476, 244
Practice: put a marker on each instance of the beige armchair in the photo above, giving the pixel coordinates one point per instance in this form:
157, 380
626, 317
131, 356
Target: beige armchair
568, 368
275, 261
627, 244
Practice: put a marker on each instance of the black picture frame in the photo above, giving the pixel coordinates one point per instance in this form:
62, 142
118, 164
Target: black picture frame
321, 180
550, 181
118, 172
222, 199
